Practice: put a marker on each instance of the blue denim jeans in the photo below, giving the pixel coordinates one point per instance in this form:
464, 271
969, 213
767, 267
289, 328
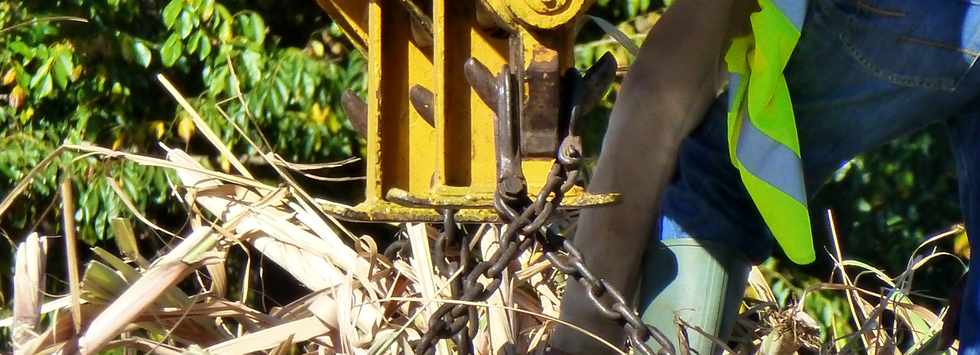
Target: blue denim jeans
865, 72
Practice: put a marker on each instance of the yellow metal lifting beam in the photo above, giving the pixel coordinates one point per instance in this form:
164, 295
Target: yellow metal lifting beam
430, 136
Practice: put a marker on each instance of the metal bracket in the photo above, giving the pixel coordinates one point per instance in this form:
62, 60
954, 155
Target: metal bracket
428, 140
498, 92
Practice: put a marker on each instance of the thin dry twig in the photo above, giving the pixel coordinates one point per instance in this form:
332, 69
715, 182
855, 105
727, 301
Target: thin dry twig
43, 19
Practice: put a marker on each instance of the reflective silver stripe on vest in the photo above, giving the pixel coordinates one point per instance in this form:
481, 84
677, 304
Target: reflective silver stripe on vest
794, 10
734, 80
769, 160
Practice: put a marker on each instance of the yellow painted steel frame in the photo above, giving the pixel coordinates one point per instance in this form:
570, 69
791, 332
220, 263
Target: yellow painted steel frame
451, 162
351, 15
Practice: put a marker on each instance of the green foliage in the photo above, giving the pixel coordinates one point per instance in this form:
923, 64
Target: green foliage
625, 9
896, 196
68, 81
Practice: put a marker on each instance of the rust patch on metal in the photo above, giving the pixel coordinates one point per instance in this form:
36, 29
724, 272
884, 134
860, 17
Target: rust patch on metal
539, 119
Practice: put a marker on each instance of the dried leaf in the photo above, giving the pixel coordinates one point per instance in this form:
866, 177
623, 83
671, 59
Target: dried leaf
28, 289
164, 273
204, 128
298, 330
126, 240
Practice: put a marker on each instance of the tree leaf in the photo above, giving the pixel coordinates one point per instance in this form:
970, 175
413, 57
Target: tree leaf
185, 24
62, 67
25, 116
308, 84
218, 81
126, 48
171, 12
224, 31
185, 129
45, 87
259, 27
253, 27
252, 62
207, 9
41, 72
632, 7
171, 50
256, 101
205, 47
142, 53
157, 128
293, 69
42, 52
193, 42
22, 49
279, 97
16, 97
231, 83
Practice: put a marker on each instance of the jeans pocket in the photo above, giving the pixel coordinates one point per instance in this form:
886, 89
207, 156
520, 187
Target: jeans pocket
918, 43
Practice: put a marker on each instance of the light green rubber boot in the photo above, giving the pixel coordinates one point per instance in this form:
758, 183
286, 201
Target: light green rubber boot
700, 282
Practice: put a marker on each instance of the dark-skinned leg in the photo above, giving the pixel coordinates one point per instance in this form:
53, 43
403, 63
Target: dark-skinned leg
964, 132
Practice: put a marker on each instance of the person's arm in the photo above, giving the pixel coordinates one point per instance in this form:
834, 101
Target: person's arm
668, 89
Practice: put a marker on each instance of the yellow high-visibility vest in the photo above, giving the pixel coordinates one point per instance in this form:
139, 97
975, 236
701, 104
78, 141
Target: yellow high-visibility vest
762, 138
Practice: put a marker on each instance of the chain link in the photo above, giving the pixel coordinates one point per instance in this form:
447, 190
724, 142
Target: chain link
525, 220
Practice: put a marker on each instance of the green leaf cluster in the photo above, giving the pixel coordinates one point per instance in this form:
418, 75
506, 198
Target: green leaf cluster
82, 71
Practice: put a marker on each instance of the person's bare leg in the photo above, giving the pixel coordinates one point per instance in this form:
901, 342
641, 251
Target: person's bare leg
664, 95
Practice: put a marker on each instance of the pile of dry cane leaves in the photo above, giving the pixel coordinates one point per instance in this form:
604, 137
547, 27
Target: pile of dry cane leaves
359, 302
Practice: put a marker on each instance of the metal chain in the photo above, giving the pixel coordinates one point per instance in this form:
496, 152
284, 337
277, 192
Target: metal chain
525, 221
448, 265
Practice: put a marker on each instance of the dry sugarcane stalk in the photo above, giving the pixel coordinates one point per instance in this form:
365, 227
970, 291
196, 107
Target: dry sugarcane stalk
28, 290
71, 250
